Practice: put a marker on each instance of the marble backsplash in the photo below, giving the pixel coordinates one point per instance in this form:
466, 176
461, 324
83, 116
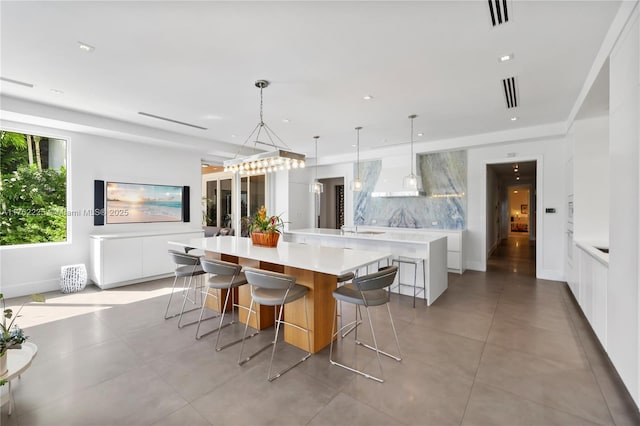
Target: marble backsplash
444, 179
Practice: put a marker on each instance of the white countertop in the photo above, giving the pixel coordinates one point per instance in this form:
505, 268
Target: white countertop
590, 248
328, 260
419, 238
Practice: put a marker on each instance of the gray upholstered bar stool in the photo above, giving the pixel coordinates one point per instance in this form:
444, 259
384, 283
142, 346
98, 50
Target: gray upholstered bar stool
414, 261
224, 276
367, 290
272, 289
187, 267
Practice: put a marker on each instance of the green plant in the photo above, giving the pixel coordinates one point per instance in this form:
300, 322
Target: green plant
11, 336
260, 222
33, 206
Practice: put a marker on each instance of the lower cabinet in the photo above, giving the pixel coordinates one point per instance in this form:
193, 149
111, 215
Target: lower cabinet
122, 259
590, 291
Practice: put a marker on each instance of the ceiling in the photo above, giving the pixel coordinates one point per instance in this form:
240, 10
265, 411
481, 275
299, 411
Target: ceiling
505, 172
196, 62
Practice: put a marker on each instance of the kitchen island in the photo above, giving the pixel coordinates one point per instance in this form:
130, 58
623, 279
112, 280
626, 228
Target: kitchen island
431, 247
315, 267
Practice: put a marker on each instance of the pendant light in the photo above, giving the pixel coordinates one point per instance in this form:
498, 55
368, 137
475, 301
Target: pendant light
316, 187
411, 181
265, 162
356, 184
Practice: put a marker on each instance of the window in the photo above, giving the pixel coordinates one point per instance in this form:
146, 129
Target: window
33, 189
218, 198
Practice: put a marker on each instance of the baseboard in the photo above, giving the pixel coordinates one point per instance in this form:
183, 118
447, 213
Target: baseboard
552, 275
476, 266
25, 289
135, 281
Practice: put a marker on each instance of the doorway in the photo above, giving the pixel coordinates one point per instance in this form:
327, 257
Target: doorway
511, 217
331, 208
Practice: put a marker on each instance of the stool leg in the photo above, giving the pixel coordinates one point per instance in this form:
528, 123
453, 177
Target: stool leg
415, 283
424, 282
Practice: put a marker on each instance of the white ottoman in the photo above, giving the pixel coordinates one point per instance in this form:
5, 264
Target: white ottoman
73, 278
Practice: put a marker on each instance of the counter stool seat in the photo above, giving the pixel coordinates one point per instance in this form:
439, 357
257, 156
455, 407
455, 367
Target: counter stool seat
414, 261
187, 267
368, 291
275, 289
224, 276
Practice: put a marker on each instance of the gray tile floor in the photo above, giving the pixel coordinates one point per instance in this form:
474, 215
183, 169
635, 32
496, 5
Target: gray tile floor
497, 348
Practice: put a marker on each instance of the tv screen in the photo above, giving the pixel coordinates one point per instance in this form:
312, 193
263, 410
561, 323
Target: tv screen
138, 203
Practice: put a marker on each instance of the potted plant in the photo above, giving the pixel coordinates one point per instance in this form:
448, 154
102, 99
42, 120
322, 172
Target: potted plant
11, 336
264, 230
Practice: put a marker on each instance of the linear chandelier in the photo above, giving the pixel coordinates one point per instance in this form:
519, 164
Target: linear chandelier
265, 162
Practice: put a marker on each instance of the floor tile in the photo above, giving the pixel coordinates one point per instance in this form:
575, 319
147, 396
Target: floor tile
344, 410
415, 393
490, 406
294, 398
136, 397
185, 416
557, 384
515, 334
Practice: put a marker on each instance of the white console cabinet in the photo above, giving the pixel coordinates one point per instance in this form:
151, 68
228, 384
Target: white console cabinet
127, 258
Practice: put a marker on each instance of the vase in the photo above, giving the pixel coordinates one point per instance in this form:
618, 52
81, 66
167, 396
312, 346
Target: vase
3, 364
265, 239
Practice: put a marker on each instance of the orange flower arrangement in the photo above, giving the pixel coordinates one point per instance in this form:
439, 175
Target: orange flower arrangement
260, 222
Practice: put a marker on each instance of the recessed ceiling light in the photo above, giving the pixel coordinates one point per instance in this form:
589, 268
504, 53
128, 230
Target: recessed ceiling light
515, 192
517, 177
56, 91
85, 47
367, 97
354, 145
420, 134
515, 170
233, 136
286, 120
505, 58
514, 118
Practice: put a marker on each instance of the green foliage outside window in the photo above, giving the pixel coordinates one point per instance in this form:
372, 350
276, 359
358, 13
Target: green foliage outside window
32, 193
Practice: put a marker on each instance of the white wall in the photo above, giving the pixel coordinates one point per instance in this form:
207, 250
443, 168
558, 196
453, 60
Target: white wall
624, 156
550, 154
591, 179
36, 268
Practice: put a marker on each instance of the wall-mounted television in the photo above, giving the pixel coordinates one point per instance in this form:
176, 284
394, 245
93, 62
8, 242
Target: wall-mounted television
144, 203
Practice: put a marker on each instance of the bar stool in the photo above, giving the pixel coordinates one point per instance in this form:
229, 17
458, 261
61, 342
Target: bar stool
273, 289
368, 290
415, 261
225, 276
187, 266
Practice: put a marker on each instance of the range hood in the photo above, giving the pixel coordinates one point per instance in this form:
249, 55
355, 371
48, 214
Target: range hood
390, 183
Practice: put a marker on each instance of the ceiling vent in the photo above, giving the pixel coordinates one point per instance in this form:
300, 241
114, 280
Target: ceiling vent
510, 91
18, 82
171, 120
498, 11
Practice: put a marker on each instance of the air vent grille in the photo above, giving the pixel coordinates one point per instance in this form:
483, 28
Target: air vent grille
499, 12
171, 120
18, 82
510, 91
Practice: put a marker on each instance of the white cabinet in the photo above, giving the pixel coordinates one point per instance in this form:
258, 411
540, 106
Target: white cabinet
121, 259
590, 289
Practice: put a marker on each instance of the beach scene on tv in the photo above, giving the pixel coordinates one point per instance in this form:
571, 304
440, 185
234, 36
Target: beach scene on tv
131, 203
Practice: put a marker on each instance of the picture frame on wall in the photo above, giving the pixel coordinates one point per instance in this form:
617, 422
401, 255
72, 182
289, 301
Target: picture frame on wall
524, 208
